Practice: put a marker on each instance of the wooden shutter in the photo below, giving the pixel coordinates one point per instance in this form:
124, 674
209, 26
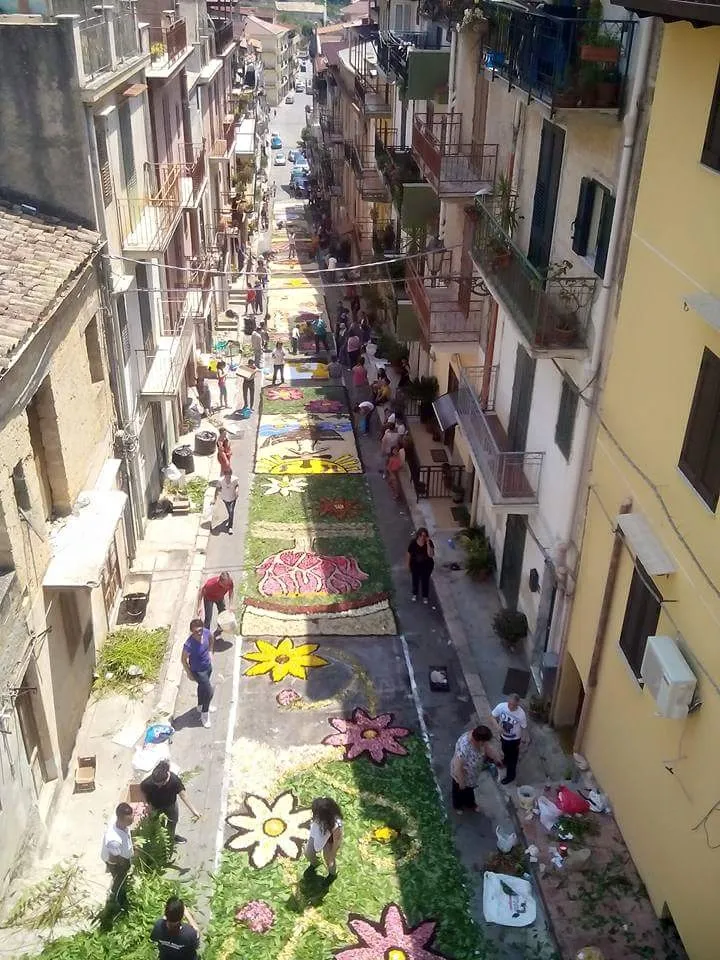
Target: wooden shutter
103, 163
546, 193
124, 328
581, 233
565, 424
711, 147
521, 399
700, 456
126, 148
604, 228
642, 614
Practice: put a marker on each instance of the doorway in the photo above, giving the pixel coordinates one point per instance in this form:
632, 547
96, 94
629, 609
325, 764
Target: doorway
521, 399
547, 184
33, 729
512, 559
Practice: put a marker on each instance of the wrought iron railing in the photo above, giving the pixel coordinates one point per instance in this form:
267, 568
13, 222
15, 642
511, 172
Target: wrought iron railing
162, 370
434, 481
361, 159
452, 167
223, 35
167, 43
146, 222
393, 49
551, 310
95, 45
450, 306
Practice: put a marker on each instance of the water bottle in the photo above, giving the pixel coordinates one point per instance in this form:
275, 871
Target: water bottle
451, 543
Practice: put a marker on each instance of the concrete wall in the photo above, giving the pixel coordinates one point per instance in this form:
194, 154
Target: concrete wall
43, 146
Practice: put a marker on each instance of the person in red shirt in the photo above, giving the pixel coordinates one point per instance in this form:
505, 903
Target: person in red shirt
213, 593
223, 449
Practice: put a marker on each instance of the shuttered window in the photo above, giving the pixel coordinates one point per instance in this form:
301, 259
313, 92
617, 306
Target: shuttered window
103, 163
642, 614
593, 223
700, 456
711, 147
565, 424
124, 329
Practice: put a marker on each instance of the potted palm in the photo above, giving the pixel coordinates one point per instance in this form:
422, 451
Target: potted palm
510, 626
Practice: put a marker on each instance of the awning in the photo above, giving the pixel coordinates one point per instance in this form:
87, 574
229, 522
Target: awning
245, 138
81, 544
645, 544
706, 305
445, 408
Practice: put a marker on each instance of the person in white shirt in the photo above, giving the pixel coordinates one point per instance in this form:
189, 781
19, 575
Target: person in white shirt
118, 851
511, 722
278, 359
364, 409
326, 835
228, 493
332, 264
295, 339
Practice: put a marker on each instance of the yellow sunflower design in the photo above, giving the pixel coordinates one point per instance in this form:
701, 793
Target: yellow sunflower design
295, 464
282, 660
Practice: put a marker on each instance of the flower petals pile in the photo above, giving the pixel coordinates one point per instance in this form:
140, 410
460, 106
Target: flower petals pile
257, 916
296, 572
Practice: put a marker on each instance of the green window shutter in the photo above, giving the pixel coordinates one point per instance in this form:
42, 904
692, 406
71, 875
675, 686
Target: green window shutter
565, 424
711, 148
581, 233
604, 227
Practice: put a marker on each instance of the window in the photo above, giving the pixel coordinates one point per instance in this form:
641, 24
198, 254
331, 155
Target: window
22, 496
94, 351
593, 223
124, 329
565, 424
700, 456
126, 147
711, 147
103, 163
641, 618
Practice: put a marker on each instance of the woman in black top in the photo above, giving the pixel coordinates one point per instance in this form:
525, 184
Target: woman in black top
420, 554
161, 791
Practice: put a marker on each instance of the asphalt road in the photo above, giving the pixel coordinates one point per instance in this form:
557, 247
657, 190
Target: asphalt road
288, 123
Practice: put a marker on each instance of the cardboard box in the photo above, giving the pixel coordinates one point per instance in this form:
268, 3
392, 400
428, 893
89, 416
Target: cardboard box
85, 773
134, 794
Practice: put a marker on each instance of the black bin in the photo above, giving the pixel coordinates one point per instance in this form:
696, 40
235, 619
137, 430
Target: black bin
205, 441
183, 459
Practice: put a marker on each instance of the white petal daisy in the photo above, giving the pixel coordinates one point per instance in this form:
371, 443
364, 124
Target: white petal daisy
285, 486
269, 829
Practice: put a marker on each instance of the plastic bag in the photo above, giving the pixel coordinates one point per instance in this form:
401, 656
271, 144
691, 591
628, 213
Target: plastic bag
158, 733
549, 813
570, 802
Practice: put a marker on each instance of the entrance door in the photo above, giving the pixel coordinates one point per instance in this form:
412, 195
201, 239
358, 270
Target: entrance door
546, 194
26, 703
513, 551
449, 434
521, 399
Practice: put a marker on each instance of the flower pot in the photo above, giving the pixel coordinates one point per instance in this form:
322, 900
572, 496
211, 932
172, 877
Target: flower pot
608, 94
591, 53
501, 260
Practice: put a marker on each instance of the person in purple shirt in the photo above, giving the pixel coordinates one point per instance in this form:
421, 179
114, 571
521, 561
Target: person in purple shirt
197, 661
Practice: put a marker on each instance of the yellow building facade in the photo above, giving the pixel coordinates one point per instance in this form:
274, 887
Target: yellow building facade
656, 570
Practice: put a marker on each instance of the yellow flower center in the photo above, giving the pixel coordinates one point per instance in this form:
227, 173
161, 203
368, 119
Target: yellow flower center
394, 953
282, 658
274, 827
369, 734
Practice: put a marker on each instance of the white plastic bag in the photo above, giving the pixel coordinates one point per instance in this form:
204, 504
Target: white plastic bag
508, 900
549, 813
506, 838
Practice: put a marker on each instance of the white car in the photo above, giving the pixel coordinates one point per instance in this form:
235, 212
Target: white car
290, 98
299, 86
280, 160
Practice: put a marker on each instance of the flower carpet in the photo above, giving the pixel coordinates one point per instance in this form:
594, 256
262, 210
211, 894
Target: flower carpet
314, 560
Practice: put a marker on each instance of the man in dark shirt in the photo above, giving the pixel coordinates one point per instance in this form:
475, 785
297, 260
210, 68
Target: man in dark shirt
161, 790
176, 940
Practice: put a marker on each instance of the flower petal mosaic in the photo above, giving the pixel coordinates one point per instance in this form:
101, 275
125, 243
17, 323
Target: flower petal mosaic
283, 659
269, 829
391, 939
363, 734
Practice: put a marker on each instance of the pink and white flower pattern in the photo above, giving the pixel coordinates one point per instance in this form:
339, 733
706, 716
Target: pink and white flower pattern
287, 697
365, 734
390, 939
295, 572
284, 393
323, 405
257, 916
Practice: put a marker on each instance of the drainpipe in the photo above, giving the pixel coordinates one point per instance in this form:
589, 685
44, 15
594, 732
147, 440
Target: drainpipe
618, 245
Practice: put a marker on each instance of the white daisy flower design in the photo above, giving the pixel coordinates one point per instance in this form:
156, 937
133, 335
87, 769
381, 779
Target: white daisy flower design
270, 829
285, 486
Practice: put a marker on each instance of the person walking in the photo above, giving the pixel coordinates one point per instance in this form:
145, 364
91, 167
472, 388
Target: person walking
320, 334
162, 789
420, 561
228, 492
213, 593
359, 374
223, 449
326, 835
222, 383
256, 342
248, 386
118, 851
204, 399
472, 756
176, 940
332, 267
259, 307
251, 298
278, 359
335, 370
511, 722
197, 662
395, 463
352, 346
295, 339
292, 250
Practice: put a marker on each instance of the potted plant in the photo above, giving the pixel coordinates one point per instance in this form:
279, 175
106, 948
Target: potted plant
510, 626
598, 45
479, 559
425, 390
608, 88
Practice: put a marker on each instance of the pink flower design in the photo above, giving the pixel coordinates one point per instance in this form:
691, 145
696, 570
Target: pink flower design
390, 939
300, 571
284, 393
257, 916
287, 697
365, 734
323, 405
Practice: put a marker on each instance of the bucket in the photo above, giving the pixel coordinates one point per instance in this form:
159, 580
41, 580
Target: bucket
526, 797
506, 838
227, 624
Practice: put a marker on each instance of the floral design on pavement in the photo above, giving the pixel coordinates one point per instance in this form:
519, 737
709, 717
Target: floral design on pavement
390, 939
257, 916
365, 734
302, 462
302, 572
284, 486
283, 659
340, 508
324, 405
287, 697
279, 827
284, 393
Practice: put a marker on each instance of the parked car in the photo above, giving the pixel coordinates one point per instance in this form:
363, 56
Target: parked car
301, 168
308, 87
299, 86
290, 98
276, 142
280, 160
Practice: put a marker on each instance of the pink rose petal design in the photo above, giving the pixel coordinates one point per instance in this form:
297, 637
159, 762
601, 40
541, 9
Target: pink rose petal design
392, 936
302, 571
365, 734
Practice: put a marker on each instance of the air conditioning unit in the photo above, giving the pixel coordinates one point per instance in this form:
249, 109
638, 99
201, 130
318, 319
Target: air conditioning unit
668, 677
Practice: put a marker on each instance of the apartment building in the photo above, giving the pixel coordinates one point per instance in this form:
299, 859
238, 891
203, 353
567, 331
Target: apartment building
640, 667
64, 517
278, 44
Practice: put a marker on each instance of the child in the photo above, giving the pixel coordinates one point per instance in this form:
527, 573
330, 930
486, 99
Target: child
222, 382
326, 835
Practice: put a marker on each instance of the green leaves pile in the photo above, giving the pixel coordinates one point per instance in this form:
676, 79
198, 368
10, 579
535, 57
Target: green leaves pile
124, 649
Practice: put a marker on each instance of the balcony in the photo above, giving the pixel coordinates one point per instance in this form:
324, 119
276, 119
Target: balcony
148, 222
331, 125
370, 183
162, 370
552, 314
222, 146
512, 477
107, 40
372, 103
451, 308
167, 44
454, 169
417, 61
398, 167
563, 61
224, 35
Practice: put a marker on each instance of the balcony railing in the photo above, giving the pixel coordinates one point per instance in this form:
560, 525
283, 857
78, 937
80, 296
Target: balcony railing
551, 312
330, 124
511, 476
370, 183
167, 43
162, 370
188, 165
223, 35
393, 50
563, 61
372, 103
107, 38
398, 166
454, 169
147, 223
450, 307
223, 145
